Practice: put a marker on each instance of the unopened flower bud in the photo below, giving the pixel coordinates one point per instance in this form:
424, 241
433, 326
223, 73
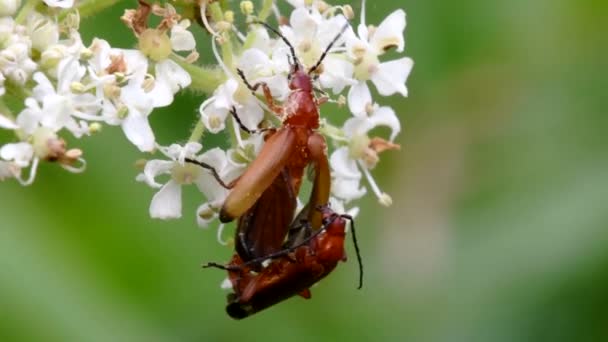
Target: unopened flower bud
229, 16
51, 57
9, 7
77, 87
95, 127
155, 44
206, 213
348, 12
223, 26
192, 57
122, 112
247, 7
72, 20
86, 54
111, 91
322, 6
42, 31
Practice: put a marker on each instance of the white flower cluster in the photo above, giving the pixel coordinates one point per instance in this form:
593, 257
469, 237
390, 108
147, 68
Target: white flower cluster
51, 83
352, 63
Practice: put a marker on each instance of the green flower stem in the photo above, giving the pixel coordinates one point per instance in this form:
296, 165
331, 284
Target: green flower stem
90, 7
204, 80
5, 111
217, 15
25, 10
265, 11
197, 132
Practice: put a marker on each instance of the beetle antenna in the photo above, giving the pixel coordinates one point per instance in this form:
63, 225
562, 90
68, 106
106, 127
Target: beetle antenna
280, 35
357, 251
331, 44
210, 168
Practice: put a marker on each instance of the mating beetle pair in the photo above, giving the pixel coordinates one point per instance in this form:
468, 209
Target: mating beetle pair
300, 251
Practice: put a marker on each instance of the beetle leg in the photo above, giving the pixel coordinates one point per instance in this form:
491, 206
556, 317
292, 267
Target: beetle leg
220, 266
242, 126
321, 184
267, 93
212, 170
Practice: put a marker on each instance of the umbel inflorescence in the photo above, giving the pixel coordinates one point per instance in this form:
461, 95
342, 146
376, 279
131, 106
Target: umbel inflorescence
52, 84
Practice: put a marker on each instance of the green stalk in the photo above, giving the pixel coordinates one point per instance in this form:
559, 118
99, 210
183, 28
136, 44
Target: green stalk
265, 11
204, 80
25, 10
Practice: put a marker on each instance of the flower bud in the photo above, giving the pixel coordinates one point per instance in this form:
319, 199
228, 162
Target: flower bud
9, 7
348, 12
42, 31
229, 16
247, 7
155, 44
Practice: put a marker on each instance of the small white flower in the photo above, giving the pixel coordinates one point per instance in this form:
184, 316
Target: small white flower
346, 176
169, 79
259, 67
215, 109
43, 31
388, 77
167, 203
16, 63
310, 33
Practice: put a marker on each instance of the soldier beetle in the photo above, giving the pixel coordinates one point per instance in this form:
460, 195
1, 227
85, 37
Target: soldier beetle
290, 271
264, 197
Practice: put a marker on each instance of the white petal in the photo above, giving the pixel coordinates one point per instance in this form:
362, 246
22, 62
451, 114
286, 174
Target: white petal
59, 3
224, 94
57, 112
357, 126
181, 38
303, 23
226, 283
30, 117
154, 168
251, 114
255, 63
7, 123
385, 116
137, 129
167, 202
205, 209
391, 76
207, 183
390, 32
170, 78
214, 118
342, 165
22, 153
337, 74
359, 97
347, 189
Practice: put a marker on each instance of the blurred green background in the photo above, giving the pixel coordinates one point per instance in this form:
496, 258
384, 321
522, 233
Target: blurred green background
498, 232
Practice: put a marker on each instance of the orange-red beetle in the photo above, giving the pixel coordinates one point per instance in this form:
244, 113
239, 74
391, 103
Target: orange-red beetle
291, 271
